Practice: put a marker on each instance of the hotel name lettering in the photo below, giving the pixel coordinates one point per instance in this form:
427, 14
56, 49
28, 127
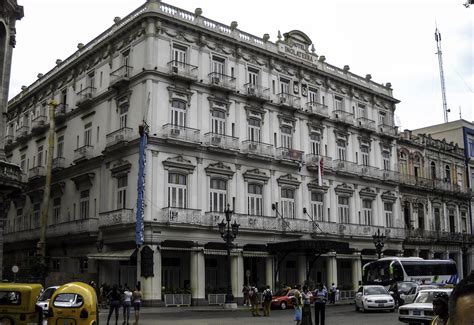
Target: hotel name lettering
298, 51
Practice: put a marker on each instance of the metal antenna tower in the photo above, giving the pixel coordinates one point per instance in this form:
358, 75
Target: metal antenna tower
441, 74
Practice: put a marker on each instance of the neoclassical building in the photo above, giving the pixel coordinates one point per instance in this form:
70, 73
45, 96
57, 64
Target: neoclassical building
303, 152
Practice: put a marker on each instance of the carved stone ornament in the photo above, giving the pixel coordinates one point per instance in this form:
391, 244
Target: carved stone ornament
367, 193
256, 175
180, 94
344, 190
314, 127
389, 196
219, 169
219, 103
289, 180
255, 112
315, 187
121, 168
180, 164
287, 120
83, 181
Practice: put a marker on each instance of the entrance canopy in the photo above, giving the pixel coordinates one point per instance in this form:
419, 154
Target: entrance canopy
113, 256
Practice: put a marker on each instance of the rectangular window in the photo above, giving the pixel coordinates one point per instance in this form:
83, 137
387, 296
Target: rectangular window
362, 111
122, 183
313, 95
341, 149
315, 143
284, 86
178, 113
91, 80
57, 210
286, 137
97, 134
388, 211
254, 130
23, 163
386, 160
218, 65
338, 103
253, 76
382, 118
365, 155
255, 200
464, 221
40, 155
84, 205
60, 147
367, 212
123, 111
177, 190
179, 55
88, 134
36, 215
343, 209
218, 122
288, 203
64, 96
317, 206
218, 195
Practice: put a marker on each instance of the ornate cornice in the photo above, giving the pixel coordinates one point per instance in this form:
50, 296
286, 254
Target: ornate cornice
367, 193
256, 175
121, 168
288, 180
179, 163
344, 190
219, 169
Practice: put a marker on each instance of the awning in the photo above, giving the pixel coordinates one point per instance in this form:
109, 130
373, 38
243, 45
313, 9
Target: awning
112, 256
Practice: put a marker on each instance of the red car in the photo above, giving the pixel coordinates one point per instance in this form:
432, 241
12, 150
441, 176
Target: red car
282, 298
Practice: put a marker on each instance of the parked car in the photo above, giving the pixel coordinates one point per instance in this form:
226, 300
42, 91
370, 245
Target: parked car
373, 298
409, 297
421, 310
282, 298
43, 300
401, 288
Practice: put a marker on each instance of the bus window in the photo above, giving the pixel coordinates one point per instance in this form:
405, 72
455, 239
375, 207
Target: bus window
397, 271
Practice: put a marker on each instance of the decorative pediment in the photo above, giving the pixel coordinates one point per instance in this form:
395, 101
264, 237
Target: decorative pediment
219, 103
314, 127
256, 175
287, 120
255, 112
179, 163
288, 179
83, 181
315, 187
297, 38
344, 190
121, 168
367, 193
389, 196
219, 169
341, 134
176, 93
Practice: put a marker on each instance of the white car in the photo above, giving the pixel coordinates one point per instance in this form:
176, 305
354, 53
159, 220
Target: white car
373, 298
43, 300
421, 311
409, 297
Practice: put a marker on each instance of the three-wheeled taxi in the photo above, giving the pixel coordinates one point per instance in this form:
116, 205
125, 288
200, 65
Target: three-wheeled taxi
18, 303
73, 303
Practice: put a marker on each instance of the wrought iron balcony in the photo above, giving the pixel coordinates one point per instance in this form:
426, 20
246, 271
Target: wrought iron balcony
59, 163
386, 129
313, 162
257, 91
60, 113
36, 172
116, 217
257, 148
221, 81
85, 97
343, 166
416, 181
120, 76
84, 152
289, 101
317, 109
39, 123
221, 141
448, 186
181, 133
22, 132
72, 227
366, 124
423, 235
182, 70
289, 154
122, 135
343, 117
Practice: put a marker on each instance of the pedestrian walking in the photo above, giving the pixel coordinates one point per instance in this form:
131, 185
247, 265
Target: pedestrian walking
306, 315
321, 296
267, 301
253, 296
298, 304
440, 308
127, 303
137, 302
114, 296
245, 291
332, 296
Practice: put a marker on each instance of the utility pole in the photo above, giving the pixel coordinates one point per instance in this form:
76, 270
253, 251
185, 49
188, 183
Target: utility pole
47, 186
441, 74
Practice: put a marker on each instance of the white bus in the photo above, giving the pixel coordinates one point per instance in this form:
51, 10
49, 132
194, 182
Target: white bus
389, 270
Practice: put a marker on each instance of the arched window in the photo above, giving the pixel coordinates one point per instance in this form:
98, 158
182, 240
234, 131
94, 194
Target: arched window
218, 195
433, 170
288, 202
178, 113
255, 199
177, 190
403, 163
447, 174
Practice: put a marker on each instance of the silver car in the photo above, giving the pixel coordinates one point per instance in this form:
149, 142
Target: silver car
409, 297
43, 300
373, 298
421, 310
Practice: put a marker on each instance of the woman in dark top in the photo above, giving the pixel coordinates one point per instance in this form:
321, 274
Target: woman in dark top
114, 296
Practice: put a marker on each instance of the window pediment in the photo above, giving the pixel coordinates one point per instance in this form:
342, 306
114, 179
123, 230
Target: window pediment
286, 120
182, 94
180, 163
344, 190
219, 169
83, 181
218, 103
121, 168
367, 193
256, 175
316, 128
255, 112
289, 180
389, 196
315, 187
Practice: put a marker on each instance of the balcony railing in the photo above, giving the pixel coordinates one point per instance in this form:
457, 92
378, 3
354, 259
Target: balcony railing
257, 148
172, 131
344, 166
59, 163
370, 171
289, 154
39, 122
182, 70
72, 227
221, 81
448, 186
288, 100
221, 141
257, 91
60, 113
84, 152
424, 235
35, 172
116, 217
9, 139
22, 132
180, 216
15, 236
388, 129
343, 116
390, 175
315, 161
9, 172
317, 109
121, 74
85, 96
121, 135
416, 181
366, 124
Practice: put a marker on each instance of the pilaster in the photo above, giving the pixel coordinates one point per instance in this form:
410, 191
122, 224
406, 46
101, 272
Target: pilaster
237, 275
331, 263
197, 275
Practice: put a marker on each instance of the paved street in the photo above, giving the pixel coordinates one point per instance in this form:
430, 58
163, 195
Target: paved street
343, 314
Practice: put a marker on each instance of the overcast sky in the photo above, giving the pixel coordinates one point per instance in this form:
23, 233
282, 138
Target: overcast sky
393, 40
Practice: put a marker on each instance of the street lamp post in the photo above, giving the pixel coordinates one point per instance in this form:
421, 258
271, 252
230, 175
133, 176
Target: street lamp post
378, 242
228, 233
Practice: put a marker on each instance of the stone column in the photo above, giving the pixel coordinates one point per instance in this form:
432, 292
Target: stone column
331, 269
356, 271
197, 275
269, 272
301, 269
237, 276
459, 264
151, 286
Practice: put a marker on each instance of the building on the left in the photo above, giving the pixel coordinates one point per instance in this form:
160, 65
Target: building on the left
10, 174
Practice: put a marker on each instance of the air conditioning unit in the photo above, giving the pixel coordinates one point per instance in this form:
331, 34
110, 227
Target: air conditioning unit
216, 139
175, 131
174, 69
216, 80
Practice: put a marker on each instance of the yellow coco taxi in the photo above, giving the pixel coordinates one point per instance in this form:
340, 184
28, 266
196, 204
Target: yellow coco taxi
74, 303
18, 303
